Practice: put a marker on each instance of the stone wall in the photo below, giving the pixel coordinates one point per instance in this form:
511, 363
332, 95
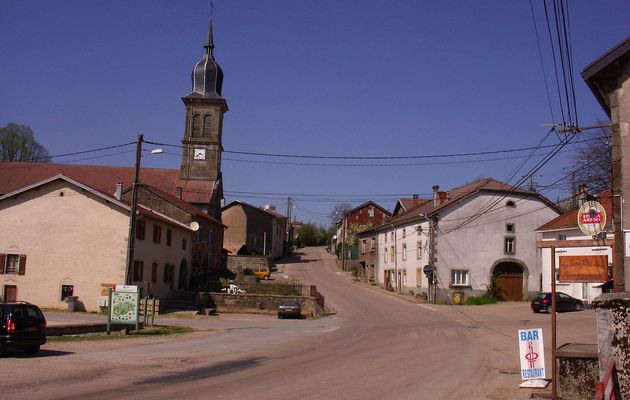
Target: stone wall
256, 303
577, 371
237, 264
612, 312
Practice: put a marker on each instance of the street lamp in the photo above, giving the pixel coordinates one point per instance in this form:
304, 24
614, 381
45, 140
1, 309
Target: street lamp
131, 242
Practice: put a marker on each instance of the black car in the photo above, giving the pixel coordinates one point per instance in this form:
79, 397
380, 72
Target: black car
564, 302
22, 326
289, 308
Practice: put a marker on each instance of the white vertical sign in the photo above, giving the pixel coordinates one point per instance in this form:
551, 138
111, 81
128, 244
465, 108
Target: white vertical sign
532, 353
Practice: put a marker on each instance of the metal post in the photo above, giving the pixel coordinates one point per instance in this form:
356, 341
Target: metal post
553, 324
132, 219
109, 311
264, 243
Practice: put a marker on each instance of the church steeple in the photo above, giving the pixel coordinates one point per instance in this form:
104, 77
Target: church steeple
207, 76
201, 159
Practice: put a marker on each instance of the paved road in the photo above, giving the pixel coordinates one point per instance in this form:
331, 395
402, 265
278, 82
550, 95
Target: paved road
377, 346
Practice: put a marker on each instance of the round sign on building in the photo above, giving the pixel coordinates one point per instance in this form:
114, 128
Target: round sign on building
591, 218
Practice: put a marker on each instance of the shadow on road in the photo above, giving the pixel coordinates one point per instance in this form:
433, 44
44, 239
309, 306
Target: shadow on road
195, 374
16, 353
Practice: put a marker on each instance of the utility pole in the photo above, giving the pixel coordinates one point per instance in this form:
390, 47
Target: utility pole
131, 241
432, 259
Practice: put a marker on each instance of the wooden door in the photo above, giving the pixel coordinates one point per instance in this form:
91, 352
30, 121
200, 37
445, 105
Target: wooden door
510, 287
10, 293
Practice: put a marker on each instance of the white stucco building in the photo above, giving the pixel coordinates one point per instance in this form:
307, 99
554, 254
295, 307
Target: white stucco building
479, 232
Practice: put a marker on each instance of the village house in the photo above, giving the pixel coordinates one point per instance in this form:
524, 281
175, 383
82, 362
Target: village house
470, 238
62, 237
358, 219
252, 230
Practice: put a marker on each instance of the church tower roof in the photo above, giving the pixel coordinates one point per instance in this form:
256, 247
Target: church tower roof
207, 76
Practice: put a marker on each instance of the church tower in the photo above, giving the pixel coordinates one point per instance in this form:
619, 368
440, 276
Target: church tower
201, 159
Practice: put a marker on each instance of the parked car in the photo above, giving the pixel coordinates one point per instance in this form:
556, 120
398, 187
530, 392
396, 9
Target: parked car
564, 302
289, 308
262, 272
22, 326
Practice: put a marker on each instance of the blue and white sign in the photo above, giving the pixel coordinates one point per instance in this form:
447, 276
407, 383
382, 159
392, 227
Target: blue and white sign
532, 353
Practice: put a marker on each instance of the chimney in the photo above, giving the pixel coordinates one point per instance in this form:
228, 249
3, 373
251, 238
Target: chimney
436, 189
441, 198
118, 192
178, 191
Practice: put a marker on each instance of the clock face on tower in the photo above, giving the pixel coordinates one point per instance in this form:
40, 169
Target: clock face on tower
200, 154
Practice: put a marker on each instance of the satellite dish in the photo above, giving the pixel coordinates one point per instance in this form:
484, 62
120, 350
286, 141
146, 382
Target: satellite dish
194, 226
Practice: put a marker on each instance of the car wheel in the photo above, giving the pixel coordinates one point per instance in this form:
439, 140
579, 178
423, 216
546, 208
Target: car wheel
31, 349
579, 307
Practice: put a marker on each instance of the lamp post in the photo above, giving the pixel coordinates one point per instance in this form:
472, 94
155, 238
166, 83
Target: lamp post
131, 242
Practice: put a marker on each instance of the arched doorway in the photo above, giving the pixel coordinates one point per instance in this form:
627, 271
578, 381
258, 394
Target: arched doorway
183, 275
509, 280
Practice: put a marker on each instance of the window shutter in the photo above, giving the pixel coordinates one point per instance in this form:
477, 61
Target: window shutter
3, 262
22, 269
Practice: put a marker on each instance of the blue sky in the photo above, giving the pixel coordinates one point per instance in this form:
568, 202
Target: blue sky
334, 78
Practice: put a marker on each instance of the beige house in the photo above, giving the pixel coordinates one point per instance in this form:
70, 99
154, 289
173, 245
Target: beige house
62, 237
260, 231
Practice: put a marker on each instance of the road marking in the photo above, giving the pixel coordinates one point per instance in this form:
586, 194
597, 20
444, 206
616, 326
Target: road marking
427, 307
331, 329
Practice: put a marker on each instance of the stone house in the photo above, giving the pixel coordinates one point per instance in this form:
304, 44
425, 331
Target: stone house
62, 237
471, 236
254, 229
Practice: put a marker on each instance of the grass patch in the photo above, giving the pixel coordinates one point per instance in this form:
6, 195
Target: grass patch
480, 300
151, 331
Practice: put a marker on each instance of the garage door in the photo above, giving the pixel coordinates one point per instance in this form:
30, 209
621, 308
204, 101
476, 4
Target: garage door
510, 287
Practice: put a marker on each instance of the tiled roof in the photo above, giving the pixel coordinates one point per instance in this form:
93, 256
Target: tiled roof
367, 204
459, 193
189, 208
15, 175
568, 220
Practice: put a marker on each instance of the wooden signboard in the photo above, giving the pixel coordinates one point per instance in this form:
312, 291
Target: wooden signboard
575, 269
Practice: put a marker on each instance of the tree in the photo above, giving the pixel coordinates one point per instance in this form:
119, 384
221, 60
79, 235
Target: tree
311, 235
338, 211
592, 164
17, 143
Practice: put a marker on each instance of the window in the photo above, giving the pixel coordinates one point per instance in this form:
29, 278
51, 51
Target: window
138, 269
157, 234
510, 203
154, 272
196, 125
66, 290
184, 244
207, 126
393, 253
510, 228
404, 233
419, 249
140, 229
391, 236
372, 245
371, 212
404, 251
386, 255
209, 236
169, 274
510, 245
363, 246
13, 264
169, 237
562, 236
459, 277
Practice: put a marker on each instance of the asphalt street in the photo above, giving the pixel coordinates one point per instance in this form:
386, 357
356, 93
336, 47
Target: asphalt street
377, 346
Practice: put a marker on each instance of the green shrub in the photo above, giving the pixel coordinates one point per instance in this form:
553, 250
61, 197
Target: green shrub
355, 272
480, 300
248, 272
